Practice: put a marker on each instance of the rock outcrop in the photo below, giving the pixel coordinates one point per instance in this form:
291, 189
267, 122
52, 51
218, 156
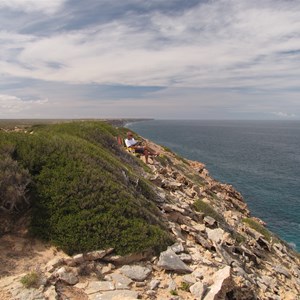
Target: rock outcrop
218, 253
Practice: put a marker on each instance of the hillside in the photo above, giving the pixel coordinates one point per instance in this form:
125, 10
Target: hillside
107, 226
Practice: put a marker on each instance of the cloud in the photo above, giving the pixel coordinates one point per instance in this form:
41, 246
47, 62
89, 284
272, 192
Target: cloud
248, 50
47, 7
283, 114
11, 104
217, 44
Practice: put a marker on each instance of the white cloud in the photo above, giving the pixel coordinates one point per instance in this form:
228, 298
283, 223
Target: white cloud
252, 46
11, 104
283, 114
45, 6
222, 43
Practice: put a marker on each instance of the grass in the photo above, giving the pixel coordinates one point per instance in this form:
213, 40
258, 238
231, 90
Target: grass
184, 286
259, 228
174, 293
31, 280
208, 210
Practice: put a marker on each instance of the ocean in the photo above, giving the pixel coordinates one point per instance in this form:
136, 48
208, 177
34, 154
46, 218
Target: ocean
261, 159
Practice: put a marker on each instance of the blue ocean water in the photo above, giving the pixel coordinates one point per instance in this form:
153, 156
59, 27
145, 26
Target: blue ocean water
261, 159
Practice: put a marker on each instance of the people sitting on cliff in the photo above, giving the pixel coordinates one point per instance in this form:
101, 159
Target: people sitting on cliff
138, 147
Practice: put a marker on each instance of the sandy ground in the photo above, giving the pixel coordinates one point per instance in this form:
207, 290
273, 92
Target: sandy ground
21, 255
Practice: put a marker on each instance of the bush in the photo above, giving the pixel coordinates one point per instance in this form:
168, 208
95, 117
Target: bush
208, 210
258, 227
81, 200
185, 286
14, 183
31, 280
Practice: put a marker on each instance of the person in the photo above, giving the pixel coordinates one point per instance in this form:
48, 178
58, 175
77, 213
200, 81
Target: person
137, 146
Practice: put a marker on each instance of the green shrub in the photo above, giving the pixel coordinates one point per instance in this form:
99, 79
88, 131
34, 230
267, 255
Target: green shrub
208, 210
174, 293
185, 286
14, 184
31, 280
258, 227
81, 200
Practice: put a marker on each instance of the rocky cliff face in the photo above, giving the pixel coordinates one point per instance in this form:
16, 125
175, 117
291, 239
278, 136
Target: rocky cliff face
220, 250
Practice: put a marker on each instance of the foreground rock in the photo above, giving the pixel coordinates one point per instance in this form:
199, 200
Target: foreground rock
169, 261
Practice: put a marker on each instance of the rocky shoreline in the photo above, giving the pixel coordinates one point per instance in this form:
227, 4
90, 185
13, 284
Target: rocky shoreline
220, 251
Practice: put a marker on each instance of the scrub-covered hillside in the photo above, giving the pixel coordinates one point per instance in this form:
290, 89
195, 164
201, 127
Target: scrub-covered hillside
79, 189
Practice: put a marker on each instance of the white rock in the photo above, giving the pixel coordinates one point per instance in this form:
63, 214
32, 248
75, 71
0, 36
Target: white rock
154, 283
222, 283
67, 276
168, 260
137, 273
115, 295
197, 290
121, 282
99, 286
215, 235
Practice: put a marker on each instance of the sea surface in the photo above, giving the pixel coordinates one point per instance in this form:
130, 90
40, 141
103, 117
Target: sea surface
261, 159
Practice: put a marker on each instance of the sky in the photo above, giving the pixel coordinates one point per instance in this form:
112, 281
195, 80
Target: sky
163, 59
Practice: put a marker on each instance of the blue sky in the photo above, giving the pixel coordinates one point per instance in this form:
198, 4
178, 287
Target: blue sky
175, 59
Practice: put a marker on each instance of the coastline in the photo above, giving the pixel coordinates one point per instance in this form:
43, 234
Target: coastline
259, 187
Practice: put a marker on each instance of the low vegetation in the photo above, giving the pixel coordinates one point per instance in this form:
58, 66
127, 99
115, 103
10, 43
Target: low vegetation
259, 228
208, 210
85, 192
185, 286
31, 280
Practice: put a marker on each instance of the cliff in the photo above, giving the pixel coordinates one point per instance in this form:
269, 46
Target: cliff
128, 230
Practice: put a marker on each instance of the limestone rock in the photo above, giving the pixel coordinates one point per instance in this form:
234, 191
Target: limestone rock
54, 263
282, 270
121, 282
78, 258
185, 257
177, 248
221, 285
67, 276
99, 286
115, 295
172, 286
154, 283
202, 241
169, 261
215, 235
137, 273
197, 290
209, 220
190, 279
50, 293
94, 255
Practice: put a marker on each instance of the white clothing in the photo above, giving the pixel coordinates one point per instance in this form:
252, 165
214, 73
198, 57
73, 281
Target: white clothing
130, 143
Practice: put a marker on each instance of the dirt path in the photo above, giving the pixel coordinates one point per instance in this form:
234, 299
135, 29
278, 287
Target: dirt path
20, 255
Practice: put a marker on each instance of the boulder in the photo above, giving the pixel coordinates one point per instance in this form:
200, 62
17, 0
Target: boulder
115, 295
54, 263
67, 276
282, 270
121, 282
222, 284
154, 283
185, 257
169, 261
177, 248
215, 235
209, 220
99, 286
197, 290
137, 273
